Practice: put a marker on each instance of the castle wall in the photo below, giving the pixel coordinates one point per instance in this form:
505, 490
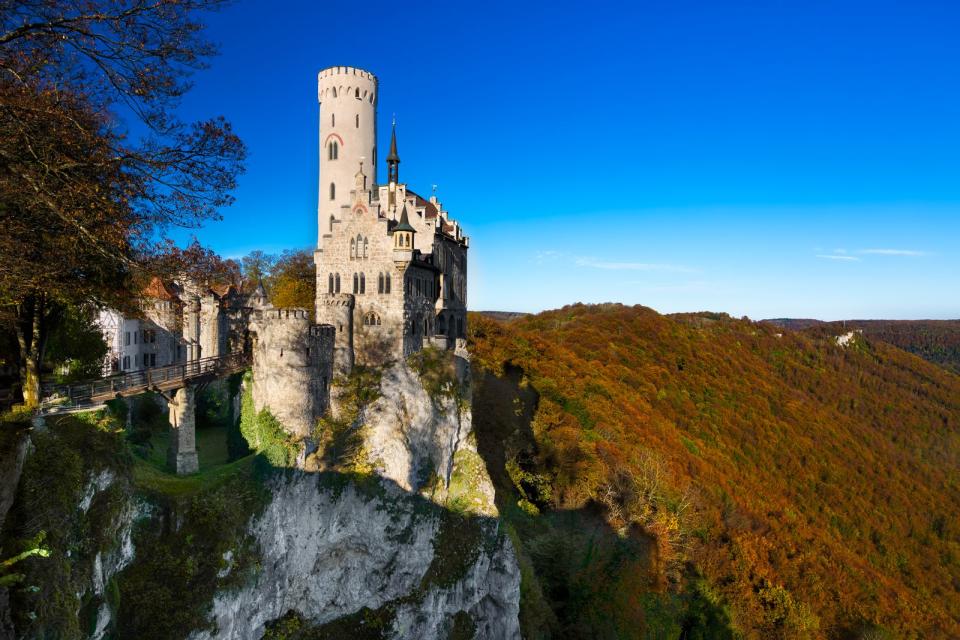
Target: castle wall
292, 366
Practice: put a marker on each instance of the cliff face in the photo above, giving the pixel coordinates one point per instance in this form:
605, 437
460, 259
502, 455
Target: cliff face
386, 528
330, 547
396, 518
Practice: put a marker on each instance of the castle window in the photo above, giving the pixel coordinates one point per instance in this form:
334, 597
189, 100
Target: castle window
408, 240
331, 223
386, 287
380, 283
366, 248
357, 93
371, 320
334, 89
333, 150
442, 324
337, 283
330, 284
358, 121
333, 119
363, 283
333, 191
356, 283
359, 242
353, 248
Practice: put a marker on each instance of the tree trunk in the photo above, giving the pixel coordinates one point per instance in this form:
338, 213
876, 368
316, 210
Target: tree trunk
31, 326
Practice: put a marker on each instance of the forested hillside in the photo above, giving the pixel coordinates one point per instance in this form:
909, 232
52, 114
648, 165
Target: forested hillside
709, 476
935, 340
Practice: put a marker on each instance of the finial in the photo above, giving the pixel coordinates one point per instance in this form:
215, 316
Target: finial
434, 189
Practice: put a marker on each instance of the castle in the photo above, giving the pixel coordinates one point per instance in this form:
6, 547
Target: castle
391, 265
391, 278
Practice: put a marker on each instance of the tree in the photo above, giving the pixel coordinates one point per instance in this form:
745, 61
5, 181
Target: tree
293, 280
81, 199
257, 266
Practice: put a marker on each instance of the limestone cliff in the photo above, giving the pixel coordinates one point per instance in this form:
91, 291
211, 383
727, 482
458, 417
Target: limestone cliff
383, 526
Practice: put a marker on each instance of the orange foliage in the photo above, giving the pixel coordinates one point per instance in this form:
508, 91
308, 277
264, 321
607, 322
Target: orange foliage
824, 478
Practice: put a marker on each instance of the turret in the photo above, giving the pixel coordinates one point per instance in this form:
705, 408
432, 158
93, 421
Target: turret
403, 239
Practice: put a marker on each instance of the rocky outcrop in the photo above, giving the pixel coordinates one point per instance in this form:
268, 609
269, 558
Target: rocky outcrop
330, 547
413, 538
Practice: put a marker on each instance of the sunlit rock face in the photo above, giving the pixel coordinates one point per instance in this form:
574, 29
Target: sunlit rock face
414, 538
328, 551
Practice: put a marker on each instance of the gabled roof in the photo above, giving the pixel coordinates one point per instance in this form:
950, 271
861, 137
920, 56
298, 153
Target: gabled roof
160, 290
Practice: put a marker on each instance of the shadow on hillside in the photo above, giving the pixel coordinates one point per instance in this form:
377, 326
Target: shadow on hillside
583, 578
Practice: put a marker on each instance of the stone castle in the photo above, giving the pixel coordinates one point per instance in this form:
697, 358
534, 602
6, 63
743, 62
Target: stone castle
391, 265
391, 278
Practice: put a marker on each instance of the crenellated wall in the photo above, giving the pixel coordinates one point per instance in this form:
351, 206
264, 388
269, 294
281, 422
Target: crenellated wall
292, 366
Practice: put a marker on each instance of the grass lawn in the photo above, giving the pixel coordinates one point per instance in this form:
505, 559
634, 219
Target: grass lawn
149, 477
211, 448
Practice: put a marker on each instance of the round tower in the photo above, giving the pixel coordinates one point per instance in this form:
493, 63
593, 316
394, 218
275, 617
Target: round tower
348, 136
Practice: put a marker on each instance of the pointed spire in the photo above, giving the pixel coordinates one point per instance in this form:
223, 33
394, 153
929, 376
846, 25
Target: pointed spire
404, 224
393, 156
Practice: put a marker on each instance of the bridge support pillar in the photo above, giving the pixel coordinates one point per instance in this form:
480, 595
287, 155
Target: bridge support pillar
182, 454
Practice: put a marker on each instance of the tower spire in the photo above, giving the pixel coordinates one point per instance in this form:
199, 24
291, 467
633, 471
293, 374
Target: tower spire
393, 165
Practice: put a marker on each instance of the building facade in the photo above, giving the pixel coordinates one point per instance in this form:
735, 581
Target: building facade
391, 265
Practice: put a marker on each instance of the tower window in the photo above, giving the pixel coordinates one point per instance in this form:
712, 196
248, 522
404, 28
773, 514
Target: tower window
331, 223
333, 150
353, 248
333, 191
333, 119
363, 283
356, 284
330, 284
337, 284
357, 93
371, 320
387, 284
358, 121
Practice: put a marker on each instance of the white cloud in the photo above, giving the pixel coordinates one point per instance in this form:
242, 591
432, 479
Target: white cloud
893, 252
631, 266
842, 258
547, 255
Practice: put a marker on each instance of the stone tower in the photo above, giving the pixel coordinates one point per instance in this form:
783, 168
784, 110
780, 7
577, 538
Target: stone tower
348, 137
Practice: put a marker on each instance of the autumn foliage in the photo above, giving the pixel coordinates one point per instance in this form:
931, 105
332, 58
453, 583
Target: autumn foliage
812, 488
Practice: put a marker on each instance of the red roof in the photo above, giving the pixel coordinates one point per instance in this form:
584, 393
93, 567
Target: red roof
160, 290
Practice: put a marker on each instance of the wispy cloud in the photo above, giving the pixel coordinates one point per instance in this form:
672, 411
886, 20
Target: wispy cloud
840, 257
547, 255
893, 252
594, 263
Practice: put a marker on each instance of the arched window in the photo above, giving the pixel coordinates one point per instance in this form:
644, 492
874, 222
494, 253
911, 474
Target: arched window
371, 320
363, 283
353, 248
331, 223
358, 121
356, 283
357, 93
330, 284
366, 248
334, 92
408, 235
337, 283
386, 288
333, 150
380, 283
333, 119
333, 191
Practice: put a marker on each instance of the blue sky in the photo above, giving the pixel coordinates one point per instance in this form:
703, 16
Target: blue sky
760, 158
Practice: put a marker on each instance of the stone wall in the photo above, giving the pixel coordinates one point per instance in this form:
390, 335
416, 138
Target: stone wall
292, 366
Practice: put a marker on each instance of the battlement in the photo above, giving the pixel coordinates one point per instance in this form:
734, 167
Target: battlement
346, 82
292, 313
344, 71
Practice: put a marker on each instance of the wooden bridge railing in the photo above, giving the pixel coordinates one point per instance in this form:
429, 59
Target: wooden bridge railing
83, 394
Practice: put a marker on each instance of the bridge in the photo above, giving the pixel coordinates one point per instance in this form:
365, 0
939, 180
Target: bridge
175, 382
